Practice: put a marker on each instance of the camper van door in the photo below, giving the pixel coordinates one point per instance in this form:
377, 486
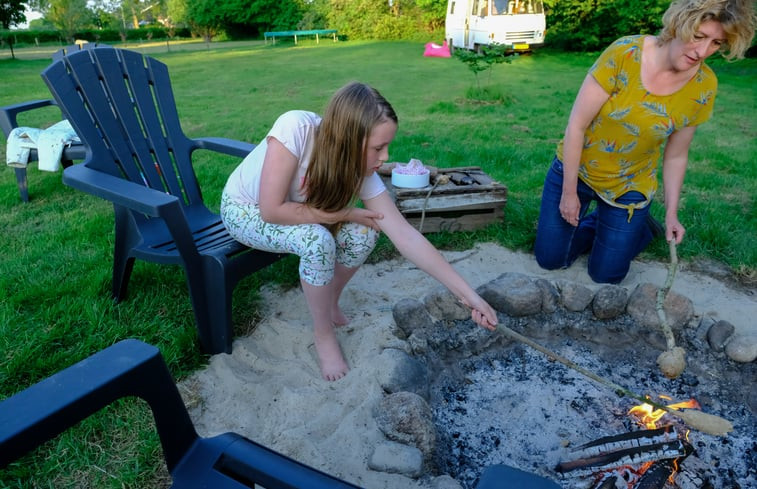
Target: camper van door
479, 25
457, 23
467, 23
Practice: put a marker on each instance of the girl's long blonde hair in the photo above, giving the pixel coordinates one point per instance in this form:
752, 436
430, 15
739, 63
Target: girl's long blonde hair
337, 167
683, 18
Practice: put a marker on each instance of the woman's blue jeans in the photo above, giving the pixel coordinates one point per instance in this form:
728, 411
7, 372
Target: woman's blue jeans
611, 240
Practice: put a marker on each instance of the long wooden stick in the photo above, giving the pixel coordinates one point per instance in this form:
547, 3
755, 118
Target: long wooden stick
663, 293
698, 420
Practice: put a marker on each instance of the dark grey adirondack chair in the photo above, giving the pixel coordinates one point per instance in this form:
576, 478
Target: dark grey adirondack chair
122, 106
133, 368
226, 461
9, 121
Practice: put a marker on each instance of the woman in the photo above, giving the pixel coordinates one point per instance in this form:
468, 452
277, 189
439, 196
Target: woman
297, 193
644, 97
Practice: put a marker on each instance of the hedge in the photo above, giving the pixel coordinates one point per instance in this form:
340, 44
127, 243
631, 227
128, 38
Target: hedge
43, 36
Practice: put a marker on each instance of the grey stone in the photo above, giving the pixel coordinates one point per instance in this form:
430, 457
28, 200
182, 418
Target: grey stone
418, 344
444, 482
514, 294
609, 301
396, 458
405, 417
401, 372
742, 348
719, 334
550, 297
642, 307
442, 304
410, 315
574, 296
703, 328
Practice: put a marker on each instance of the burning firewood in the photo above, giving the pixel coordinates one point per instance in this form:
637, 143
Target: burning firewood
707, 423
626, 449
645, 459
672, 362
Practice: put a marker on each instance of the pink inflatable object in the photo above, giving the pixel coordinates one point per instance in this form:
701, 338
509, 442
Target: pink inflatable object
435, 50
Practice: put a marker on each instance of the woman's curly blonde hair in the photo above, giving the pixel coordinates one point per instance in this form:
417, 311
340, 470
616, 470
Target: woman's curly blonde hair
683, 18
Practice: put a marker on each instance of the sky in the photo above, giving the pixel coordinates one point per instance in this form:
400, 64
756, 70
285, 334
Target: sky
29, 17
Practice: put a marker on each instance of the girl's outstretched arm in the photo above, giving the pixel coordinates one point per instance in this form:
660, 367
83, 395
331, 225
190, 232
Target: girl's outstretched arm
416, 248
674, 162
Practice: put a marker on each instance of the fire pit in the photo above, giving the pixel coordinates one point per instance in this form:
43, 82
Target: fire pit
496, 401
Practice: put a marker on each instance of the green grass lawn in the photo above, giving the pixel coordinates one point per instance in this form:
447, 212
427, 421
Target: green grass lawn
56, 250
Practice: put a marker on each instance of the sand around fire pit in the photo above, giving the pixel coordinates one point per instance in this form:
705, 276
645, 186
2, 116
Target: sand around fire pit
270, 390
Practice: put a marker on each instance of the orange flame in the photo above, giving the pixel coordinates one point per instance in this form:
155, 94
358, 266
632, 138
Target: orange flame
648, 415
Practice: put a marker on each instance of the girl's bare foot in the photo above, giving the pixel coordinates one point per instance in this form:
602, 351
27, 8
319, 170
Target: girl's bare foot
338, 318
333, 365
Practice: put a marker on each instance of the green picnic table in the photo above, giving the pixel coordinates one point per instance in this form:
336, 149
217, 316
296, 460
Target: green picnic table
312, 32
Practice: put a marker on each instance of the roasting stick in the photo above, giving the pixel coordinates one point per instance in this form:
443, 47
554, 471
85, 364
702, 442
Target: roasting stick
672, 362
662, 294
707, 423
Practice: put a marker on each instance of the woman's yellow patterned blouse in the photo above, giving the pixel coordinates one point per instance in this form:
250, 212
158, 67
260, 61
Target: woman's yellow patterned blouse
623, 144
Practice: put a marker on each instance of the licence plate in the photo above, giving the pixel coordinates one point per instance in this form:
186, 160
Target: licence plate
520, 46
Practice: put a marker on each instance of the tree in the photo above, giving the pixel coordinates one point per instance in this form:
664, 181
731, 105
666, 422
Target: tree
591, 25
253, 17
68, 16
11, 13
205, 17
434, 13
176, 12
315, 15
105, 14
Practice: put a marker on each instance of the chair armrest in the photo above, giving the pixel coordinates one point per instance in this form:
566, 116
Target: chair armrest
252, 463
9, 113
138, 198
128, 368
118, 190
224, 145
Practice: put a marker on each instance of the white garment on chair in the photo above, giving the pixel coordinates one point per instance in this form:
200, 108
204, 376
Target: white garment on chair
49, 144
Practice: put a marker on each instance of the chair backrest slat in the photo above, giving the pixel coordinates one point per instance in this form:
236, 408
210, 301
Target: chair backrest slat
147, 115
166, 106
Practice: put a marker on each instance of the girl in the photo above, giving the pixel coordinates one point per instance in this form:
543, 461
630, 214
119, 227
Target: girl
297, 192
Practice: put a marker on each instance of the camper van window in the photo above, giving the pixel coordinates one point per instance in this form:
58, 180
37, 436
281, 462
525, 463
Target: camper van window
525, 7
515, 7
476, 10
452, 8
484, 8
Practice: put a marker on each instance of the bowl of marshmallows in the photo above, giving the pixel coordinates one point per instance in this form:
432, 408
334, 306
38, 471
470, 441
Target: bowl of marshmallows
411, 175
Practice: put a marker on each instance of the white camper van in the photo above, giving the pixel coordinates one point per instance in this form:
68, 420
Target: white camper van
518, 24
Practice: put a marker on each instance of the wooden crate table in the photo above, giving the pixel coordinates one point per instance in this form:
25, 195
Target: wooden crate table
470, 200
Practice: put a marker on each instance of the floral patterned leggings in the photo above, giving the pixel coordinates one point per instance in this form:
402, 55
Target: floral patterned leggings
318, 249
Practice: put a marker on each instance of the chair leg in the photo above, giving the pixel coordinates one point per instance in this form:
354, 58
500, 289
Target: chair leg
23, 187
122, 267
123, 263
211, 300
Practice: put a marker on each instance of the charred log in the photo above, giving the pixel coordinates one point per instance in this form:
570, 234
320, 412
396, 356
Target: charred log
693, 473
656, 475
626, 449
